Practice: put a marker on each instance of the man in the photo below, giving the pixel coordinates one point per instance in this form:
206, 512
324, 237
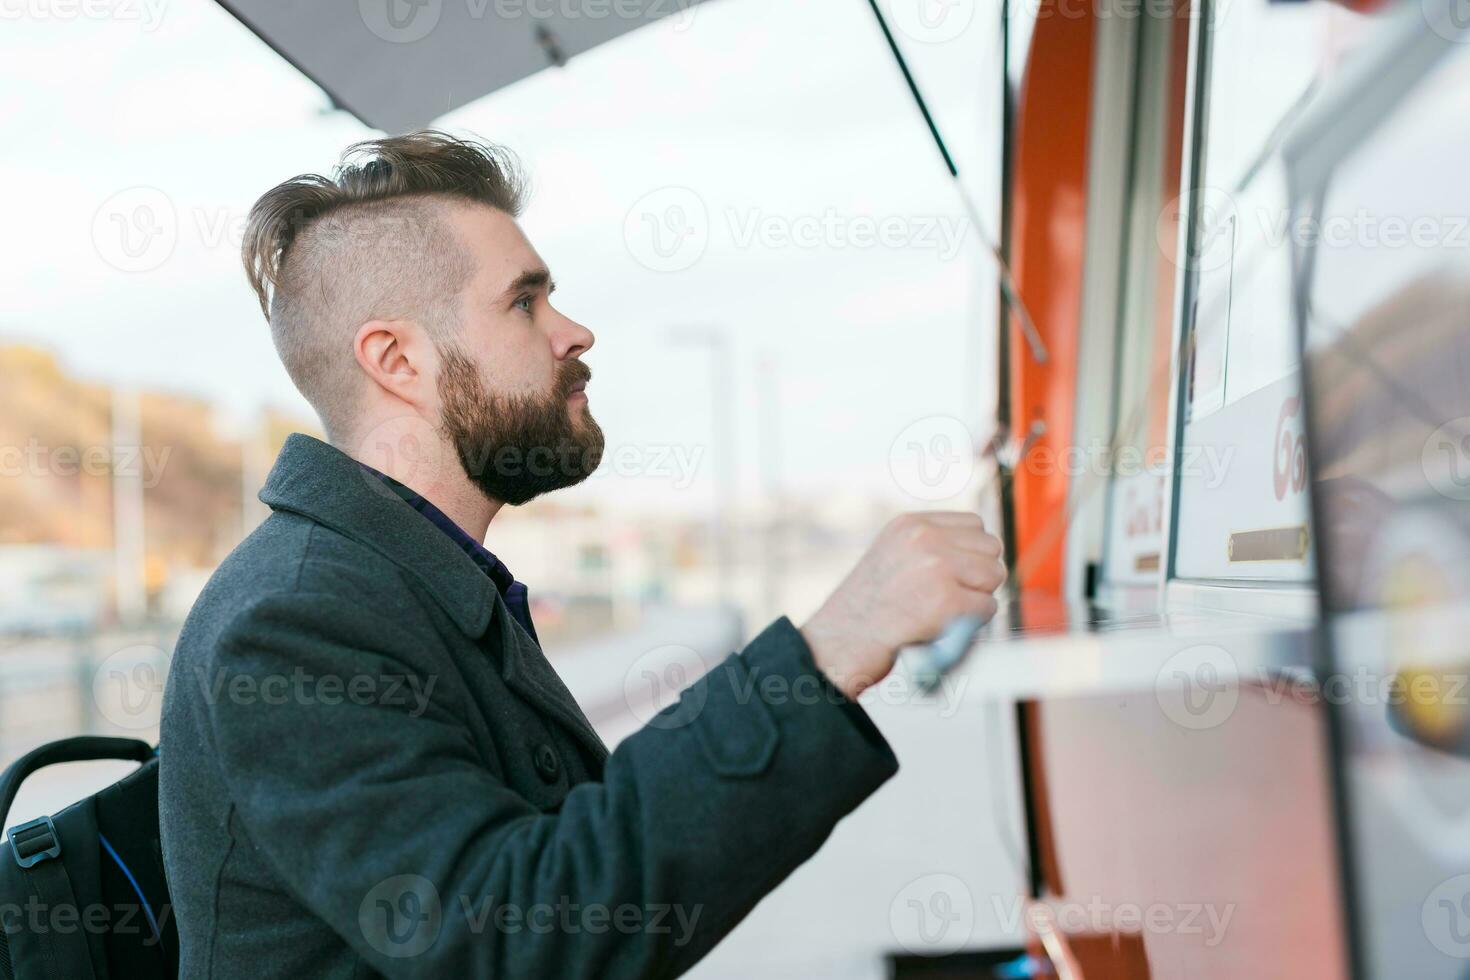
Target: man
368, 766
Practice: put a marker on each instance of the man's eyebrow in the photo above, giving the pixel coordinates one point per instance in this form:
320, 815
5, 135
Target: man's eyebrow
530, 280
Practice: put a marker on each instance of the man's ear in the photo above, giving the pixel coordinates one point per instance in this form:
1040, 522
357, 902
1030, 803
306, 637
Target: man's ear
396, 356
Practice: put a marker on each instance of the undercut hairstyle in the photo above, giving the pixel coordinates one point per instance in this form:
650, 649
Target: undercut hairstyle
372, 240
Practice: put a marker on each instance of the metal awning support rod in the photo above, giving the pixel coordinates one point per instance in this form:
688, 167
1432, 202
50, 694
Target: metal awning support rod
1007, 281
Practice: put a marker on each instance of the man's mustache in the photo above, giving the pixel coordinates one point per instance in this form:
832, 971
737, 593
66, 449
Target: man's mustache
571, 374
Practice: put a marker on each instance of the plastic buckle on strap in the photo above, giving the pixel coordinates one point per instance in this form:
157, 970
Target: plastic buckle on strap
34, 841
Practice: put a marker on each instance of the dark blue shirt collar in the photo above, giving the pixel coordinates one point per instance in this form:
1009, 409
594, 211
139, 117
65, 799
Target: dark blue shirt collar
516, 596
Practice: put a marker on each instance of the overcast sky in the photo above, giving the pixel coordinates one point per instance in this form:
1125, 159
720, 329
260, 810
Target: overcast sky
784, 124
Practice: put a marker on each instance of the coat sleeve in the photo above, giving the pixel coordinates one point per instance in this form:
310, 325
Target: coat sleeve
382, 819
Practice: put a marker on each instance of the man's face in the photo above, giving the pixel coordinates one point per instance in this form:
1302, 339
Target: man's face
512, 398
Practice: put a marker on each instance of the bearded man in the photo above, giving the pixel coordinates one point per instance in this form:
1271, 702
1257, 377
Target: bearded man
368, 766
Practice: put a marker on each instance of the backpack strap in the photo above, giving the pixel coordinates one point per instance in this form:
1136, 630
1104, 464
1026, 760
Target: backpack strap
83, 748
36, 848
61, 949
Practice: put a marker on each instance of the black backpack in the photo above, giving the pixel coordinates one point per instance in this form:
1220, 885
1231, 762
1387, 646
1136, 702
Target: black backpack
82, 893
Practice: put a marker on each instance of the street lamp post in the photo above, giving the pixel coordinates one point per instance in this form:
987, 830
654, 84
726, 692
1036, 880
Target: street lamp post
716, 340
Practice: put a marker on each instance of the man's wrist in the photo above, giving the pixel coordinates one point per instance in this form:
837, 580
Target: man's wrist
827, 646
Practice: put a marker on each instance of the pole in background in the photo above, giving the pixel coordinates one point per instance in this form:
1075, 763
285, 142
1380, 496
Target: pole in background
768, 414
716, 340
130, 594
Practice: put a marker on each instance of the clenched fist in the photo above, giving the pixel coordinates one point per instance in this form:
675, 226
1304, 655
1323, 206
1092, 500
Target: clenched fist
924, 570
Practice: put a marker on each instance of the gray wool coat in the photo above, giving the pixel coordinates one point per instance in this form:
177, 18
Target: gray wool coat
368, 768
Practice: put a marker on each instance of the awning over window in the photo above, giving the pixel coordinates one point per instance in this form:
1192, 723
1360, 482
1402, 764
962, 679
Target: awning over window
398, 64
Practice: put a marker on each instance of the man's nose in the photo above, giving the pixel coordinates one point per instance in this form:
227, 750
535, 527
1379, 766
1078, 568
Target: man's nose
570, 339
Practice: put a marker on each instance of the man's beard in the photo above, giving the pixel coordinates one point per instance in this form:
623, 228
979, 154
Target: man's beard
516, 447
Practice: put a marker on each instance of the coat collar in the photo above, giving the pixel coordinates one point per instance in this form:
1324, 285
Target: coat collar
324, 484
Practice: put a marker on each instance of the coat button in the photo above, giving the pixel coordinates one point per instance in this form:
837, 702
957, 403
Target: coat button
548, 766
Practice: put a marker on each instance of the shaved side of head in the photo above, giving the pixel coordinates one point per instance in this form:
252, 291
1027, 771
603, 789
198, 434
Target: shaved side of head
386, 260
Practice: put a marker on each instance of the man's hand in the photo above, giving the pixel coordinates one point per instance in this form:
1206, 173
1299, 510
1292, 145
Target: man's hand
925, 569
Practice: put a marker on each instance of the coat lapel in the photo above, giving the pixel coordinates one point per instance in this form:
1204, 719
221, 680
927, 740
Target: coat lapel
319, 481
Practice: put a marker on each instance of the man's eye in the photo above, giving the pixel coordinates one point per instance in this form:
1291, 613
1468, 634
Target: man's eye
524, 303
